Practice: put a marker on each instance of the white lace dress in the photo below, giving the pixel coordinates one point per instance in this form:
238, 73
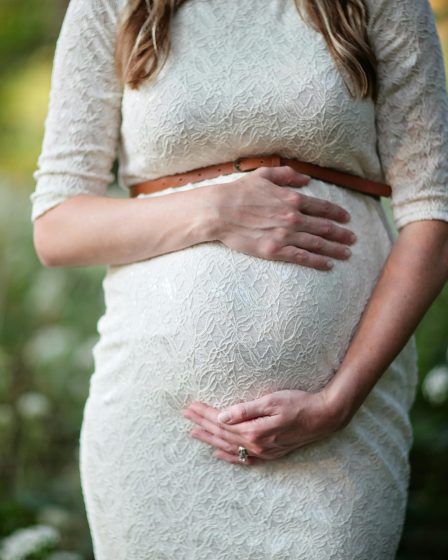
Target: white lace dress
212, 324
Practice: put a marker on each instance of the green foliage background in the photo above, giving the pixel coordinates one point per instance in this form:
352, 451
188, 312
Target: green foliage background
48, 327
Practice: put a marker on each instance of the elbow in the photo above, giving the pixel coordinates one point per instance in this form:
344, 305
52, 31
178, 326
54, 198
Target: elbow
61, 239
45, 244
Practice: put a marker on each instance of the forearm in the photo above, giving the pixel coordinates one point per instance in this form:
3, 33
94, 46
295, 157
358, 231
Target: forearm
91, 230
413, 276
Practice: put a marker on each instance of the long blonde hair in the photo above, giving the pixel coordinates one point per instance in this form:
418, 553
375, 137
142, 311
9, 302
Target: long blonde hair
143, 41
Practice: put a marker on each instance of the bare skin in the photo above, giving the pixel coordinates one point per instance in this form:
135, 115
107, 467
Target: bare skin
257, 214
279, 422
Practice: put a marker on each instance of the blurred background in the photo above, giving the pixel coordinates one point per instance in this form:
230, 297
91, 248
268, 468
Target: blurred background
48, 323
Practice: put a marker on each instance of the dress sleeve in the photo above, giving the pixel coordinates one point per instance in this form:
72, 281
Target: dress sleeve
411, 108
83, 120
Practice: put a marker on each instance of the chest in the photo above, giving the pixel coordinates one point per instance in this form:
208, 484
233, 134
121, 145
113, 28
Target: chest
244, 76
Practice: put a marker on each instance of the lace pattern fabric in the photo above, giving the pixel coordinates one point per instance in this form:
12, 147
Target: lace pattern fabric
244, 80
213, 324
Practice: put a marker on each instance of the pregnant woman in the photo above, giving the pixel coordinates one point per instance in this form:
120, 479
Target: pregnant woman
252, 381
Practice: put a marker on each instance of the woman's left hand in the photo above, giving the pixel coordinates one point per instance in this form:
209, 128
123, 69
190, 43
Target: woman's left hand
268, 427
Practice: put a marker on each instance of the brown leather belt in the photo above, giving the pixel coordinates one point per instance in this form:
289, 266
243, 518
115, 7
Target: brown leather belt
249, 163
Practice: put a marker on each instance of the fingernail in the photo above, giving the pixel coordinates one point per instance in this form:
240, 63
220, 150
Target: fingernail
329, 264
353, 237
224, 417
347, 252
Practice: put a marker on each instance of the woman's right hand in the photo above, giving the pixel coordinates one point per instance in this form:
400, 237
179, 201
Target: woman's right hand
258, 216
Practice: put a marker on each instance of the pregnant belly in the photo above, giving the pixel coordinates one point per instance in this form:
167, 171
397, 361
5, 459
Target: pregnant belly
217, 325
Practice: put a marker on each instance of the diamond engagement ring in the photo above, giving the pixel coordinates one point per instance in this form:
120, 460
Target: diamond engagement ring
242, 454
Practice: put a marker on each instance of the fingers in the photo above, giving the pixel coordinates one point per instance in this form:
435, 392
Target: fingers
224, 450
300, 256
213, 434
243, 423
326, 228
287, 176
310, 246
283, 175
215, 441
244, 433
260, 441
208, 420
320, 245
320, 207
245, 411
317, 216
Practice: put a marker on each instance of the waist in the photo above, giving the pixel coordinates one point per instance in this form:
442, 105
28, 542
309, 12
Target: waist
249, 163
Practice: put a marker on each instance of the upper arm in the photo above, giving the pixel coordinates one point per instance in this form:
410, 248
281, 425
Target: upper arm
411, 109
83, 121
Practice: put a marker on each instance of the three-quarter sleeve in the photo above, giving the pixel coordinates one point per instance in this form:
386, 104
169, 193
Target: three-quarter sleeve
83, 121
411, 108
